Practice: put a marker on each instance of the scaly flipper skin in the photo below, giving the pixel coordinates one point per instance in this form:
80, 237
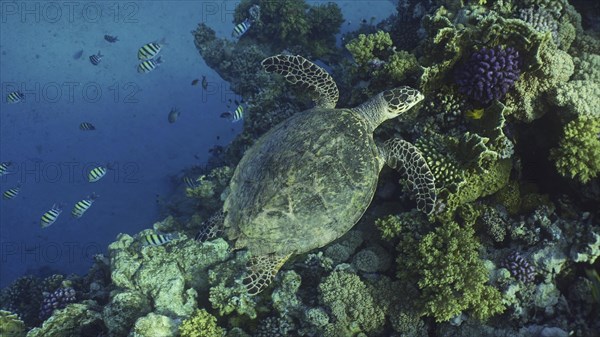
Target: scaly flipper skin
298, 70
211, 228
402, 155
261, 270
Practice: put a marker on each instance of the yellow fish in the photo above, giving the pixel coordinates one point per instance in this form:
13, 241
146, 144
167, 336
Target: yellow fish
474, 114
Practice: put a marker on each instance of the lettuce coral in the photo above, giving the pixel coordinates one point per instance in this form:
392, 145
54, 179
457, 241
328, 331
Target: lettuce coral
200, 324
578, 152
11, 325
450, 274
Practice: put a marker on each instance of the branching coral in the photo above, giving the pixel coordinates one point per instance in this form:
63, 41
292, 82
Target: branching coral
351, 304
450, 274
578, 152
200, 324
371, 47
488, 74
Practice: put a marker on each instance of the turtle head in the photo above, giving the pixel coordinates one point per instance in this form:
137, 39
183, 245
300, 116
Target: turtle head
389, 104
399, 100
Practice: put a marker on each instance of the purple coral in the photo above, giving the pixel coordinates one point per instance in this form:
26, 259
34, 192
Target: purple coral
56, 300
518, 267
488, 73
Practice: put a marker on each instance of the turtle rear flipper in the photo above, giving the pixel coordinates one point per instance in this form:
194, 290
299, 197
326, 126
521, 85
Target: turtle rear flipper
402, 155
211, 228
261, 270
298, 70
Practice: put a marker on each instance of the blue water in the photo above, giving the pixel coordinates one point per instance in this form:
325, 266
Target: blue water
51, 157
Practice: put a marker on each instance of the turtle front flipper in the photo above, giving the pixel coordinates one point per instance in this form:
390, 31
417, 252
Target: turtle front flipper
261, 270
298, 70
402, 155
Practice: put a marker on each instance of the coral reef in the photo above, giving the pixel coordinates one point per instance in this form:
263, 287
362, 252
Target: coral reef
510, 127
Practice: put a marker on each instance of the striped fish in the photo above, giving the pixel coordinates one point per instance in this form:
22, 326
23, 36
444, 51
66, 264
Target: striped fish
149, 51
189, 182
50, 217
148, 65
83, 205
96, 174
95, 59
11, 193
158, 239
4, 168
86, 126
238, 114
15, 97
241, 28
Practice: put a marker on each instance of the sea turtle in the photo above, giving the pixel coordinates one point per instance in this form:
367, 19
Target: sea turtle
309, 179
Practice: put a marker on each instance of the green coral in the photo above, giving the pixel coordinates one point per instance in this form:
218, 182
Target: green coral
587, 67
227, 293
169, 278
352, 305
450, 274
74, 320
528, 97
123, 310
400, 65
366, 48
294, 25
284, 297
201, 324
154, 325
11, 325
466, 168
510, 197
211, 185
578, 153
580, 97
